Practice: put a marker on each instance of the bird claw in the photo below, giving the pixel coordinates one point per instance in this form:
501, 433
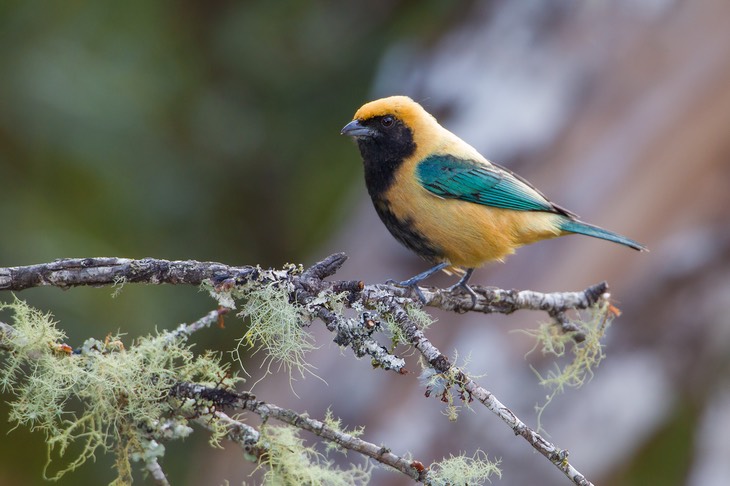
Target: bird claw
465, 287
412, 283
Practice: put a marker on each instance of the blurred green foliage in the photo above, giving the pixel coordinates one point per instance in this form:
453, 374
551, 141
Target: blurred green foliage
202, 130
665, 457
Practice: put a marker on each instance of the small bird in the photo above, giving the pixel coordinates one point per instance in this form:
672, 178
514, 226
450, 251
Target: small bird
443, 200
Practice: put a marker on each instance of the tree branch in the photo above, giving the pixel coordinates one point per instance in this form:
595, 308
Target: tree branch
243, 435
103, 271
155, 470
441, 364
74, 272
306, 288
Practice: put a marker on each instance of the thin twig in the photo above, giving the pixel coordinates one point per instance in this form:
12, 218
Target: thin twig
440, 363
244, 434
155, 470
379, 453
186, 330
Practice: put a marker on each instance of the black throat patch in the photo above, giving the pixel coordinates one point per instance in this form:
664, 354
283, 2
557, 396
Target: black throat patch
384, 153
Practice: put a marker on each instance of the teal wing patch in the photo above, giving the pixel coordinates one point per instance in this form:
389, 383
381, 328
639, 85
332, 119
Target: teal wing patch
453, 178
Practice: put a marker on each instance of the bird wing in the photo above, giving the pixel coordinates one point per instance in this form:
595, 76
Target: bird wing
451, 177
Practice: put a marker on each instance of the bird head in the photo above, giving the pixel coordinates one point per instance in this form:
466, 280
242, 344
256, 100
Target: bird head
395, 125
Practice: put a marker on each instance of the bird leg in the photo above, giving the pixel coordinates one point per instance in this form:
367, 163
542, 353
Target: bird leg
463, 285
414, 281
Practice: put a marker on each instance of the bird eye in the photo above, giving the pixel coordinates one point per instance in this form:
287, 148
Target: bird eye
387, 121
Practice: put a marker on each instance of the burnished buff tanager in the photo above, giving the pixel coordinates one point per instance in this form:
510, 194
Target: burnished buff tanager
439, 197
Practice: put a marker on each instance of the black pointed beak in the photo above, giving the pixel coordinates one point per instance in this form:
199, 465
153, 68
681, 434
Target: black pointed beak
357, 129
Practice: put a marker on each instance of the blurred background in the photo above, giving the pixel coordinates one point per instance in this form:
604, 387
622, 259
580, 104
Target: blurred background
210, 131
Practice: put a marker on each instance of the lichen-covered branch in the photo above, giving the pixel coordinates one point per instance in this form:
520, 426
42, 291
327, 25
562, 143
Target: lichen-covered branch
105, 271
101, 271
380, 454
244, 435
440, 363
352, 311
155, 470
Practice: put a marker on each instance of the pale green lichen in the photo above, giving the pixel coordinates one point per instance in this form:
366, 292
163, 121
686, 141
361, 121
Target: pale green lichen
584, 356
420, 317
118, 285
416, 314
335, 424
464, 470
104, 397
289, 462
34, 333
330, 300
276, 326
219, 431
